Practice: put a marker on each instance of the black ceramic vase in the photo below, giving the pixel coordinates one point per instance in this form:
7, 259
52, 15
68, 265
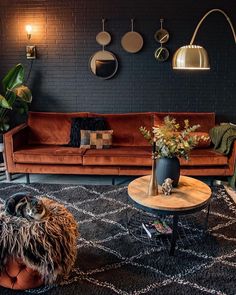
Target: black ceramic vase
168, 168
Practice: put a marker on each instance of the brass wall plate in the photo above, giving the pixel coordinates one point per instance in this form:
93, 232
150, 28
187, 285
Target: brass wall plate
161, 36
103, 38
161, 54
31, 52
132, 42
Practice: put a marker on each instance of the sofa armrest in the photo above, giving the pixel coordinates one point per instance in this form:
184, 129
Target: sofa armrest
13, 140
232, 158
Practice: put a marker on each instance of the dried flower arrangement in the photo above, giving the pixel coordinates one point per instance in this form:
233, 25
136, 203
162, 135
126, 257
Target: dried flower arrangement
172, 142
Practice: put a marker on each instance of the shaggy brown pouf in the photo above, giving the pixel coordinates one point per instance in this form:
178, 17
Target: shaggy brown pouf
47, 246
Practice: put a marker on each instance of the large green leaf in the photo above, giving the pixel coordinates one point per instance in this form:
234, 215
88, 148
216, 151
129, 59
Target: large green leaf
14, 78
23, 93
4, 103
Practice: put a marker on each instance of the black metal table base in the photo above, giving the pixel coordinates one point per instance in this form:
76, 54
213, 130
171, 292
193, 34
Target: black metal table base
186, 229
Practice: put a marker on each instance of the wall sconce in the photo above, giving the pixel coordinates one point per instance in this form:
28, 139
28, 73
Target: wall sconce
30, 49
195, 57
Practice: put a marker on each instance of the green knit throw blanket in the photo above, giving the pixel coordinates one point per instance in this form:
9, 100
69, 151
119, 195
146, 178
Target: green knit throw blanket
223, 137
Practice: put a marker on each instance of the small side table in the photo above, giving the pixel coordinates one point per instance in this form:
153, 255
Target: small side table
190, 196
3, 167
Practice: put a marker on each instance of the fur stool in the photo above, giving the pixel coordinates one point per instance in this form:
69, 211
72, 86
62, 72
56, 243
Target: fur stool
36, 252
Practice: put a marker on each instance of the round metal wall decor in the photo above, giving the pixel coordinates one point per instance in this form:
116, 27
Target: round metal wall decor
103, 64
103, 38
132, 41
161, 36
161, 54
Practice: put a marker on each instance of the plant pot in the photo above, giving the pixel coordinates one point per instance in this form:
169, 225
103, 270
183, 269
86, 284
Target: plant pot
168, 168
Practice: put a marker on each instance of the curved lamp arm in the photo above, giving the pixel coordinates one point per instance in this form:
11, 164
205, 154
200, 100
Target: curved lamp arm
213, 10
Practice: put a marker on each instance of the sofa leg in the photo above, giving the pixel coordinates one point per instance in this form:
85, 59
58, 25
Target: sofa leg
113, 180
27, 178
8, 176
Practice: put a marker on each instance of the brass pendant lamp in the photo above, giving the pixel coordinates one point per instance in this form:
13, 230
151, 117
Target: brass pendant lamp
195, 57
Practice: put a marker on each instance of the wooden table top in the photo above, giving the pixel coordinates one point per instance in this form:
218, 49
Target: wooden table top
190, 194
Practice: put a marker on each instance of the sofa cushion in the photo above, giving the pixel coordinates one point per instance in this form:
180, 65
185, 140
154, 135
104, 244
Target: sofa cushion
50, 128
49, 154
204, 157
85, 139
206, 120
99, 139
141, 156
126, 127
132, 156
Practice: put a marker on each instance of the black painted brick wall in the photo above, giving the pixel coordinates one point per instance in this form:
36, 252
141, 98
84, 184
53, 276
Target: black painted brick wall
64, 32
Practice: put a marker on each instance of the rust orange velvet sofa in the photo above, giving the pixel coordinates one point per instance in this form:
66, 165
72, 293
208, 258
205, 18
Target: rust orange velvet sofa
42, 146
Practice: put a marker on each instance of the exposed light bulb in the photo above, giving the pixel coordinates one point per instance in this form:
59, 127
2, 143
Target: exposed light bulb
28, 29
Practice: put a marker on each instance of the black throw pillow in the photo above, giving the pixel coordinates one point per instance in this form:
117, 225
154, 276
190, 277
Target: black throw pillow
77, 124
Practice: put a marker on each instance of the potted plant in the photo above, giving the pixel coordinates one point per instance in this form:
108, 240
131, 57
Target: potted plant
171, 143
14, 92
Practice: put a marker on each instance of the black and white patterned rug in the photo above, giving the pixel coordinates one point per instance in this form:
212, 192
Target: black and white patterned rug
111, 261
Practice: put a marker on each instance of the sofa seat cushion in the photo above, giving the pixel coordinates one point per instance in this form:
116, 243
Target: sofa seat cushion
141, 156
49, 154
121, 156
204, 157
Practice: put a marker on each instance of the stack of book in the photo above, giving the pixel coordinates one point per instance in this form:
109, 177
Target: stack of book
156, 227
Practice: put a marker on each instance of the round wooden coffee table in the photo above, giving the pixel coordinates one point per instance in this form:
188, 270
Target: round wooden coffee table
190, 196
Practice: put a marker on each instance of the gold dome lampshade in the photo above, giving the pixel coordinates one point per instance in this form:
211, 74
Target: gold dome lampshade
191, 57
195, 57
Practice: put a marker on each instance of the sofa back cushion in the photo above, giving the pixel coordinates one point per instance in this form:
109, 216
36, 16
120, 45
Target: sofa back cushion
126, 127
206, 120
51, 128
54, 128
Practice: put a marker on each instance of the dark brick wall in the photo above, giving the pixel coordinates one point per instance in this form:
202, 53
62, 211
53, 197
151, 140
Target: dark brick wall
64, 32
